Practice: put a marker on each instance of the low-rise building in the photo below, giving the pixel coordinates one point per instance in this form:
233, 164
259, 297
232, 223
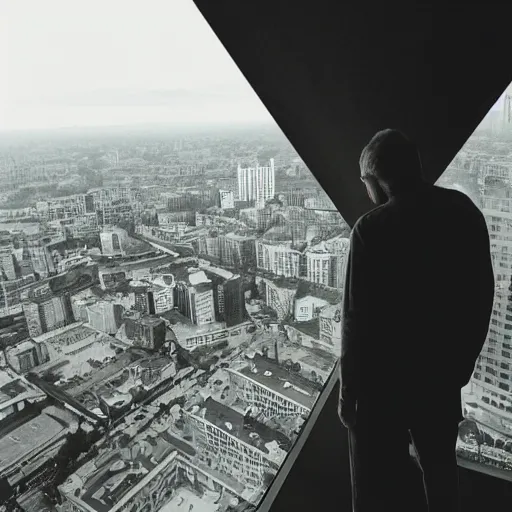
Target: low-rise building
249, 454
276, 391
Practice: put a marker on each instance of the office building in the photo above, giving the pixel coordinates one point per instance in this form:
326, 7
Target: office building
246, 454
256, 183
278, 259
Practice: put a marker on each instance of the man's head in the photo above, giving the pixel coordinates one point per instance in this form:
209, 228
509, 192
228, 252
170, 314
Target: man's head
390, 164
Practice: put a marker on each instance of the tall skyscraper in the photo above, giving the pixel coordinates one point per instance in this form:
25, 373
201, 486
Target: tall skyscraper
256, 183
491, 379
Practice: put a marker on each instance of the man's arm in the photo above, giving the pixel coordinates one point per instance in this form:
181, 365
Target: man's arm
354, 318
479, 299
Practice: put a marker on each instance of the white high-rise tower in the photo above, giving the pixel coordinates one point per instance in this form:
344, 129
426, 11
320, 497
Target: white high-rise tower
256, 183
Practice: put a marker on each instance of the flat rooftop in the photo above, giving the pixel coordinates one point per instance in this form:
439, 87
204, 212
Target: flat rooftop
14, 388
29, 437
273, 376
320, 359
251, 432
185, 499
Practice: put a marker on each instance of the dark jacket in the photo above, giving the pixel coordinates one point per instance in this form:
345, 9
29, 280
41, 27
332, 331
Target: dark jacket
417, 300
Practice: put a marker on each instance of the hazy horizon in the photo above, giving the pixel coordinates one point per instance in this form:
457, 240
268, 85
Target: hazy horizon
118, 63
115, 63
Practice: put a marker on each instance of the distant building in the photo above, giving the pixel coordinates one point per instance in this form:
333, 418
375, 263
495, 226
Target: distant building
16, 393
279, 295
81, 226
191, 337
80, 307
113, 241
228, 294
30, 446
308, 307
234, 302
231, 250
7, 263
325, 263
147, 331
274, 390
227, 199
196, 303
66, 207
173, 479
11, 295
279, 259
48, 313
26, 355
115, 213
144, 301
163, 292
256, 183
37, 248
13, 328
248, 454
104, 316
109, 278
193, 296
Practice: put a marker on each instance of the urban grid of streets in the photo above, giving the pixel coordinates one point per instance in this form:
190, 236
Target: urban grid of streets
170, 311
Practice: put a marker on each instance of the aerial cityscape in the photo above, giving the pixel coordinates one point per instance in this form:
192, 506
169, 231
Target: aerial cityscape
169, 316
171, 272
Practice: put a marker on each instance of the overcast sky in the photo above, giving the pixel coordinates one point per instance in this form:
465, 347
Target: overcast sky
116, 62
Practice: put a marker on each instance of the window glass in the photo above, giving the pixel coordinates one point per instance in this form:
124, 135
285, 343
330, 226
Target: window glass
483, 169
171, 271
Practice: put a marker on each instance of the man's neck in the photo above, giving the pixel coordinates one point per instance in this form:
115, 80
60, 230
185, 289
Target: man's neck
407, 191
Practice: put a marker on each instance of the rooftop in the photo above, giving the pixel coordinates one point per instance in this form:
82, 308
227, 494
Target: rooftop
330, 295
164, 280
175, 317
273, 376
14, 388
226, 274
250, 431
240, 237
76, 374
150, 320
109, 481
29, 437
185, 499
330, 311
310, 328
197, 278
320, 359
188, 330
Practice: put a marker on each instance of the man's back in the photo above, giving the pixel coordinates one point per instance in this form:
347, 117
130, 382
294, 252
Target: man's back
428, 295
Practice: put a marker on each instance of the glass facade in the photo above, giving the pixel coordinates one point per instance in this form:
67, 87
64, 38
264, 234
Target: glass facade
483, 170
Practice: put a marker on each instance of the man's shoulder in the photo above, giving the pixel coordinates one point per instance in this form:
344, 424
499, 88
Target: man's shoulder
369, 219
453, 197
455, 201
449, 202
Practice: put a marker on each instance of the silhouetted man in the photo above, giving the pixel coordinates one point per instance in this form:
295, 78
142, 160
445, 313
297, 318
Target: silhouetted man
417, 303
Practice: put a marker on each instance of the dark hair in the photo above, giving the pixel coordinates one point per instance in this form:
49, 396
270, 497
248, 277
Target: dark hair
391, 158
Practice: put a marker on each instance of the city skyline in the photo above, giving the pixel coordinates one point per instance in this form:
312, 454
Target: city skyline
170, 296
169, 318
